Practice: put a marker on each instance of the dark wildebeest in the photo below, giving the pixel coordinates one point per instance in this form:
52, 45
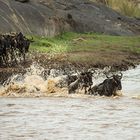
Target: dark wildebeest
71, 78
84, 80
22, 44
13, 46
87, 80
3, 49
108, 87
72, 87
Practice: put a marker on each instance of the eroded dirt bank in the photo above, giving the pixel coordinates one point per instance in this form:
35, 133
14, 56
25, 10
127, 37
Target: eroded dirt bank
117, 62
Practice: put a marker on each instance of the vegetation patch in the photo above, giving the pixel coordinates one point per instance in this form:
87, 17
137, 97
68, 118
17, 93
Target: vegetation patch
88, 49
87, 42
127, 7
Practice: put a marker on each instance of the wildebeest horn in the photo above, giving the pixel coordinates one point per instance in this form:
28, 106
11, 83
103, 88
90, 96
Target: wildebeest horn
107, 75
120, 75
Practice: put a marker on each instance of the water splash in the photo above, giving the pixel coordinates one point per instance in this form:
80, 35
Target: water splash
40, 82
32, 83
131, 82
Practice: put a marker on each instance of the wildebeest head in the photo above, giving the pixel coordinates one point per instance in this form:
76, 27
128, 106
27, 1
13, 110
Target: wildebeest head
26, 43
117, 81
20, 37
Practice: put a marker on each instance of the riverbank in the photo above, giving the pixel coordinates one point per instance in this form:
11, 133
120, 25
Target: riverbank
76, 51
87, 50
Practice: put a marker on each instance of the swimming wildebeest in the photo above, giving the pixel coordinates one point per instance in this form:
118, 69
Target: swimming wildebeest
84, 80
109, 86
72, 87
71, 78
87, 80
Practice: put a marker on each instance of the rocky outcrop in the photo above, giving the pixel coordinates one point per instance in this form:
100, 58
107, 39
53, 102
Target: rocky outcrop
52, 17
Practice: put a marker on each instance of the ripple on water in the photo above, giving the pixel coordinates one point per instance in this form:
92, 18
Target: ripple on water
54, 118
75, 116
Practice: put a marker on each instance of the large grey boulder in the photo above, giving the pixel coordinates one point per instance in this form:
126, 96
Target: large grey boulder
52, 17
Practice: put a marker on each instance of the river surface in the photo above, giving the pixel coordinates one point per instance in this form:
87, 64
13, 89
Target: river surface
76, 117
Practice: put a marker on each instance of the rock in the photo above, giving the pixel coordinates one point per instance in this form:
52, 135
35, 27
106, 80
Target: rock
53, 17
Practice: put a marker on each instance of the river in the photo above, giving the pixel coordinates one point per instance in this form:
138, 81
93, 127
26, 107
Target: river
74, 117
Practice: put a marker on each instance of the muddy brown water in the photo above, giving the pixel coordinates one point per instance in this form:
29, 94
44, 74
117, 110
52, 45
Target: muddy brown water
74, 117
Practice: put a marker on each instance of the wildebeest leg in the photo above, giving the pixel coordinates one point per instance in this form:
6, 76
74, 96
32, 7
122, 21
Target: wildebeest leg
24, 57
1, 62
13, 58
14, 55
5, 60
93, 90
85, 90
23, 53
89, 90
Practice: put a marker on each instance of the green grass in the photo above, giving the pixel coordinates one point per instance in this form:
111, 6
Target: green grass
48, 45
88, 42
126, 7
86, 48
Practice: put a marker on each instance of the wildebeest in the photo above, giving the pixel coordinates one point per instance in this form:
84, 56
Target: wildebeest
87, 80
3, 50
22, 44
109, 86
84, 80
72, 87
12, 47
71, 78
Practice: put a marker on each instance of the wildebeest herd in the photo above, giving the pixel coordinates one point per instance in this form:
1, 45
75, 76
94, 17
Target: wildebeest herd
13, 48
84, 80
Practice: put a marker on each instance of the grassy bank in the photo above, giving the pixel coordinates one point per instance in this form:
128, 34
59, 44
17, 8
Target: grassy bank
90, 48
126, 7
74, 42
